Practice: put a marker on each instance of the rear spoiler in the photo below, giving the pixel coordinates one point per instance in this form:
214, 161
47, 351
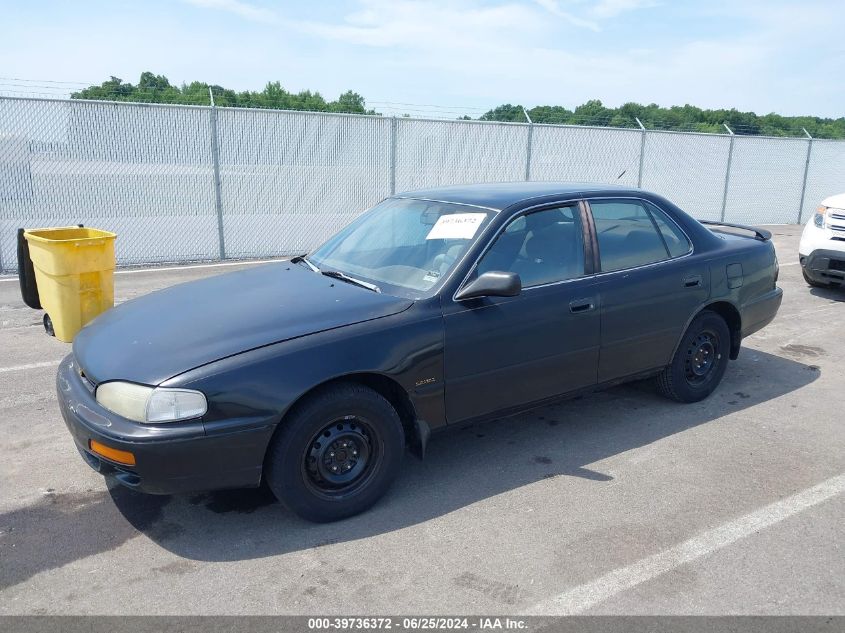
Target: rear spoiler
759, 234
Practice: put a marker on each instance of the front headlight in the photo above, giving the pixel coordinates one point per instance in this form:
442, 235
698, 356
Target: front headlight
151, 404
818, 219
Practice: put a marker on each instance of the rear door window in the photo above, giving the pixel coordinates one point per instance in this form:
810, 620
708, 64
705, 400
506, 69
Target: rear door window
627, 235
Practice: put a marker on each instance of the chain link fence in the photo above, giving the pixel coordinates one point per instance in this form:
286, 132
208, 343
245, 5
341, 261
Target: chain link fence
194, 183
289, 180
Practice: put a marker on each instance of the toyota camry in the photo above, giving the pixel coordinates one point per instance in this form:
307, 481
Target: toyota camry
433, 308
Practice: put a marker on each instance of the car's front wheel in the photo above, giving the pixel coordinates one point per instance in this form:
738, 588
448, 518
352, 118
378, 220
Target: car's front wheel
700, 360
336, 454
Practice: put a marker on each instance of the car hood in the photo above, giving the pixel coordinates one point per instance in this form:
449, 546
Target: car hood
837, 201
162, 334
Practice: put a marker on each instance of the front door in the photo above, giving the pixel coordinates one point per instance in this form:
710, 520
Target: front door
506, 352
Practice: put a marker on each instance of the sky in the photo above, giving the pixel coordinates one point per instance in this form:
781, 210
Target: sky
426, 57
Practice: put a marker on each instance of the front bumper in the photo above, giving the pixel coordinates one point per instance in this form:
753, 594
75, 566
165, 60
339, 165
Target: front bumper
169, 458
824, 266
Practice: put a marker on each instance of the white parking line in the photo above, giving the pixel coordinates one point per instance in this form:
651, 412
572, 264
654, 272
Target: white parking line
583, 597
135, 271
46, 363
798, 313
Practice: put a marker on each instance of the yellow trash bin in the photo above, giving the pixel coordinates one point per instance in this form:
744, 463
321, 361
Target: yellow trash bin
74, 268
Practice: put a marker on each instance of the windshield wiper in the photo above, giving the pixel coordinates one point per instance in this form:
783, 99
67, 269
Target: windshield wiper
303, 259
336, 274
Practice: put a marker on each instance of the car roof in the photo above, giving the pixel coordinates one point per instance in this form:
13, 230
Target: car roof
501, 195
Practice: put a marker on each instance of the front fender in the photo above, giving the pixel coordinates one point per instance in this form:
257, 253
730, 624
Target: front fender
406, 347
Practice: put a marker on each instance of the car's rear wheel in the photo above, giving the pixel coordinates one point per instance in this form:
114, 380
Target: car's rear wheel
336, 454
700, 360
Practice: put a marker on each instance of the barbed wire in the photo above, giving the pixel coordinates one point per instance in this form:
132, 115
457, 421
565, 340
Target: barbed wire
48, 81
429, 105
62, 90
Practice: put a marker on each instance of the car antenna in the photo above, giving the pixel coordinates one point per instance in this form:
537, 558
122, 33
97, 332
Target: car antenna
622, 174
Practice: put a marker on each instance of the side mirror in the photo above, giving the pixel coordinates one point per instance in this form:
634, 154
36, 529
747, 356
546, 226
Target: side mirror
491, 284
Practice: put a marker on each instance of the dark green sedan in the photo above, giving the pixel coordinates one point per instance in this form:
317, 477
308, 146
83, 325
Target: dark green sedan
433, 308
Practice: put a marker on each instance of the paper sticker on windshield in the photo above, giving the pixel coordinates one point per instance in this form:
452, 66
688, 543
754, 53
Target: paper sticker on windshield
457, 226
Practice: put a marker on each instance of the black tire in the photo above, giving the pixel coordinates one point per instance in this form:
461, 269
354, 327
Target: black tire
700, 360
26, 274
336, 454
812, 282
48, 325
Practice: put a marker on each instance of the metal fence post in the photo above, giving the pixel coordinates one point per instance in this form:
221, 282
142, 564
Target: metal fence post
215, 158
806, 172
528, 146
392, 167
727, 171
642, 152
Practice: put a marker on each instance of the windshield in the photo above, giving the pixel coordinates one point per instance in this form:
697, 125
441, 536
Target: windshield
409, 245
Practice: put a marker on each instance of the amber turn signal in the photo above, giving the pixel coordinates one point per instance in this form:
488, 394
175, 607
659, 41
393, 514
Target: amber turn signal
115, 455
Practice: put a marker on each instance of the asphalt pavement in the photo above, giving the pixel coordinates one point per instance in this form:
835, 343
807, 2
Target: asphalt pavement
619, 502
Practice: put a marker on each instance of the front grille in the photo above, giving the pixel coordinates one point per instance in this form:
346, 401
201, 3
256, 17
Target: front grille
836, 264
836, 221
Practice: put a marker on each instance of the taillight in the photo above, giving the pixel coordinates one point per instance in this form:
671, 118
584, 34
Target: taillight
777, 266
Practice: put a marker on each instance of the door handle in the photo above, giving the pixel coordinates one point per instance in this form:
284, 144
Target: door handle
693, 281
581, 305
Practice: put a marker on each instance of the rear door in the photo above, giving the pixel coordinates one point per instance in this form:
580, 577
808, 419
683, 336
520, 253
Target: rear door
649, 284
505, 352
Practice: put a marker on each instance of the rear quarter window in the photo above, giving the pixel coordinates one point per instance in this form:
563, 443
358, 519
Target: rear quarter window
676, 242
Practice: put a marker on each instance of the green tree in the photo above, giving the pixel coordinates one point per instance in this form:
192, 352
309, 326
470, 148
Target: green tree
685, 118
505, 112
158, 89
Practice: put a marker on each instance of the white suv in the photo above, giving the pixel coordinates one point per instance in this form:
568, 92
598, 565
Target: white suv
822, 248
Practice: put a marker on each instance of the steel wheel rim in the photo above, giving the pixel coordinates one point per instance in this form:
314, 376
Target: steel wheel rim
341, 458
702, 357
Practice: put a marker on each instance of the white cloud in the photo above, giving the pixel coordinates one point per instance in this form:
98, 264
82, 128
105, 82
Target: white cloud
510, 50
756, 55
243, 9
590, 15
612, 8
553, 7
428, 25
